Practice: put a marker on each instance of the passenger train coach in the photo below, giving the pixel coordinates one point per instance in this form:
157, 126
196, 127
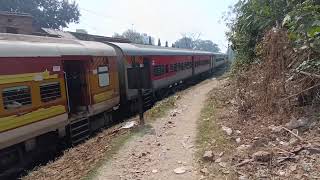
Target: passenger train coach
56, 90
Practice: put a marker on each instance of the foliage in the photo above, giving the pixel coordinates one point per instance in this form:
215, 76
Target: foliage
47, 13
252, 18
304, 25
304, 31
206, 45
190, 42
135, 37
185, 42
132, 35
277, 64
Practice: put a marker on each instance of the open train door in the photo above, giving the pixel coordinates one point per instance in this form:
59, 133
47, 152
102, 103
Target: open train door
76, 84
147, 64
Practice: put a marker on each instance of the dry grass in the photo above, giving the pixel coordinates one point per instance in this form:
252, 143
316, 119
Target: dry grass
84, 160
116, 144
161, 108
209, 131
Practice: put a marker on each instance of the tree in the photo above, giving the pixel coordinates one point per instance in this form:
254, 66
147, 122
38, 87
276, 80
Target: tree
132, 35
167, 45
252, 18
135, 37
54, 14
159, 42
206, 45
185, 43
194, 42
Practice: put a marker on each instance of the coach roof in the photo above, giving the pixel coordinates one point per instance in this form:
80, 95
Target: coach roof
147, 50
12, 45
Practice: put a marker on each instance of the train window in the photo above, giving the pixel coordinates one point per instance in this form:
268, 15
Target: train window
158, 70
16, 97
180, 67
103, 73
50, 91
171, 67
175, 67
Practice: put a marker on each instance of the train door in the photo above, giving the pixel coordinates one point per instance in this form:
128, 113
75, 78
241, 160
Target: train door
212, 63
193, 66
147, 65
76, 82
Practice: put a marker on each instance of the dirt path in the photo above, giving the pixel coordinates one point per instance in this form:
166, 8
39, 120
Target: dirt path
169, 144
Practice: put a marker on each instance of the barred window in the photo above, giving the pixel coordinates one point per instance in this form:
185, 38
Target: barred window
180, 66
50, 91
103, 74
171, 67
16, 97
185, 65
159, 70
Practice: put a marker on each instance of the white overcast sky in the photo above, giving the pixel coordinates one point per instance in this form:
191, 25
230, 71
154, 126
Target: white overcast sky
164, 19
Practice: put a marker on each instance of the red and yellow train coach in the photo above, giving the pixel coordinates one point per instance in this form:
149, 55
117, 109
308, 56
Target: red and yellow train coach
51, 87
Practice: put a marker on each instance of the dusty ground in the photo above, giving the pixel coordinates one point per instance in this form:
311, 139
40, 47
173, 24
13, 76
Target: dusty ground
168, 145
261, 148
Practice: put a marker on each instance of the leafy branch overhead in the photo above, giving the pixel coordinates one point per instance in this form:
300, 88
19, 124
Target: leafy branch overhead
54, 14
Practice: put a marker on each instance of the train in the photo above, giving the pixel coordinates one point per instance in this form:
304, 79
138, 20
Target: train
57, 90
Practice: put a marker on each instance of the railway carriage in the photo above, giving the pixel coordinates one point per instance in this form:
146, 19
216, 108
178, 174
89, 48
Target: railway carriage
54, 88
220, 59
49, 88
167, 67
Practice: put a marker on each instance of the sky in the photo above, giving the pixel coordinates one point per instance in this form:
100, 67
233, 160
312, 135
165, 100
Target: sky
164, 19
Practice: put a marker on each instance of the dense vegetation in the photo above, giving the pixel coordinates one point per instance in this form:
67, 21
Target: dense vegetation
251, 19
47, 13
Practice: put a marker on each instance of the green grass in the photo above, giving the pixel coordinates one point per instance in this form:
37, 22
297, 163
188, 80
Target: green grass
161, 108
211, 137
209, 134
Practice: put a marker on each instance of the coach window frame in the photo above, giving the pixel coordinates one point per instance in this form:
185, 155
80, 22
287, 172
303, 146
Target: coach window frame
30, 104
56, 98
171, 67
